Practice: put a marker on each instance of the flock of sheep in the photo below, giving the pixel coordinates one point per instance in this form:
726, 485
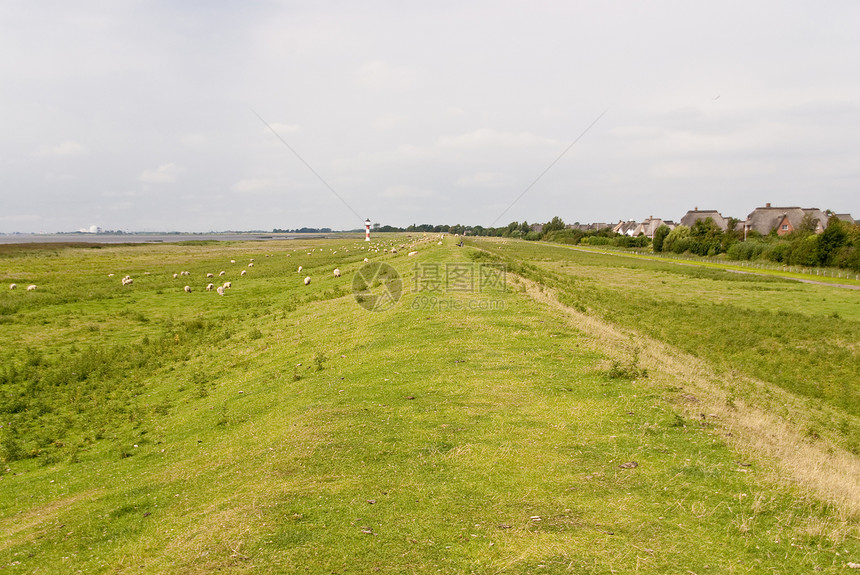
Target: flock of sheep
220, 290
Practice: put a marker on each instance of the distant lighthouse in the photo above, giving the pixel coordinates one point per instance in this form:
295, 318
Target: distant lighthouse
367, 230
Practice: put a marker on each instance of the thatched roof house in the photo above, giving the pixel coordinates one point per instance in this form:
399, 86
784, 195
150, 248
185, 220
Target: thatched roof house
784, 219
694, 215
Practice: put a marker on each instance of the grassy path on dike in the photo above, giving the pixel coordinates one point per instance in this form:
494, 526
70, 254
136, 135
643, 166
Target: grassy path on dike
283, 428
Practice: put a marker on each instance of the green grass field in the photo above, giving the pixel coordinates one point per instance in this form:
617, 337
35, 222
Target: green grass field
284, 428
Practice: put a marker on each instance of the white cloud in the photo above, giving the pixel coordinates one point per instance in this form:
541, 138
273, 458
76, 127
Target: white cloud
69, 148
52, 177
193, 140
282, 128
488, 137
379, 75
164, 174
483, 180
407, 192
388, 121
253, 185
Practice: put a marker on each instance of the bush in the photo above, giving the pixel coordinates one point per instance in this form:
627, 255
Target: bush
659, 237
777, 253
804, 251
670, 244
565, 236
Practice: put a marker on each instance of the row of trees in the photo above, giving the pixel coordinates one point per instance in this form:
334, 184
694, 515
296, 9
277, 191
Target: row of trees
837, 246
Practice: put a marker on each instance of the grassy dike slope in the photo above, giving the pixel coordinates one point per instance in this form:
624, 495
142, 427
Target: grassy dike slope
283, 428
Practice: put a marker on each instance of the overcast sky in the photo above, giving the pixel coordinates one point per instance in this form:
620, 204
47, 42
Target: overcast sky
142, 115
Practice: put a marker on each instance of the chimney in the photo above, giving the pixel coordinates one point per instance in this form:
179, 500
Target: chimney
767, 205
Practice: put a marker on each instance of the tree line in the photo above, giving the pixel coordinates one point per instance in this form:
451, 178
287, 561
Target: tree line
838, 246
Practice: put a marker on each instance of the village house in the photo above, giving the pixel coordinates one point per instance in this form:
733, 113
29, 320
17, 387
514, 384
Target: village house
650, 225
595, 227
625, 228
784, 219
695, 215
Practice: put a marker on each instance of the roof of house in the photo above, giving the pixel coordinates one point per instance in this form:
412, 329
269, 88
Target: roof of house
763, 220
649, 226
846, 218
693, 216
625, 228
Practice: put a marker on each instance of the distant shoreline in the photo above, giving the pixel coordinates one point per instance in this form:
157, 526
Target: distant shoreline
142, 238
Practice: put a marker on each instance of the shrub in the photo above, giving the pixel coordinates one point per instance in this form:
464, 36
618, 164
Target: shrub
670, 244
659, 236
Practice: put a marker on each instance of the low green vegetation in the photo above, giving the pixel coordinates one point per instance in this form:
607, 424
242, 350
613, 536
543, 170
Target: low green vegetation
801, 337
284, 428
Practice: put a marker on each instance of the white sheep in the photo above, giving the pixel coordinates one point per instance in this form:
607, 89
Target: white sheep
366, 260
31, 287
110, 275
210, 275
209, 287
222, 273
232, 261
411, 253
300, 269
175, 276
13, 286
227, 285
127, 281
185, 273
220, 290
243, 272
336, 273
308, 280
250, 265
250, 260
187, 289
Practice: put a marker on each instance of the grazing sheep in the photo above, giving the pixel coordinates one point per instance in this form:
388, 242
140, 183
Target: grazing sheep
185, 273
243, 272
227, 285
232, 261
250, 265
366, 260
175, 276
31, 287
13, 286
394, 250
411, 253
220, 290
187, 289
336, 273
127, 281
209, 287
308, 280
222, 273
250, 260
210, 275
300, 269
110, 275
